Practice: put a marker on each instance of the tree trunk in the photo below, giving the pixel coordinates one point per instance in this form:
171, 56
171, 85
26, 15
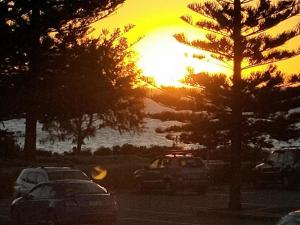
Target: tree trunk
33, 73
236, 128
30, 136
79, 135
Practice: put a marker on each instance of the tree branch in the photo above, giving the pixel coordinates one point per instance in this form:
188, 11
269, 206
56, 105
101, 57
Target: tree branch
267, 63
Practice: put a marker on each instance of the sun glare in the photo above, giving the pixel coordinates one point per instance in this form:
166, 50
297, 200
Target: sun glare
166, 60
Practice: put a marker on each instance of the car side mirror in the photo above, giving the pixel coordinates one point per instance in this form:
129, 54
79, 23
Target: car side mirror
26, 196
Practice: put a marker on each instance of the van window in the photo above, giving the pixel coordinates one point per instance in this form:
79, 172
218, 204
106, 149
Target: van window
31, 178
191, 163
155, 164
40, 178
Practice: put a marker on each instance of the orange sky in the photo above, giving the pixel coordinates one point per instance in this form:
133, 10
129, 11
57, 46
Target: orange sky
157, 21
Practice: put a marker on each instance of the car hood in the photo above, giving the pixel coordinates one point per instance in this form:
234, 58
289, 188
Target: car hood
263, 166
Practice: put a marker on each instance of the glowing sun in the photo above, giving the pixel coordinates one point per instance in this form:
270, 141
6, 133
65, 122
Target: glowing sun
166, 60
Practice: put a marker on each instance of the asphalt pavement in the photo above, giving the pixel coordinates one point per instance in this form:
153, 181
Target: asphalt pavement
260, 207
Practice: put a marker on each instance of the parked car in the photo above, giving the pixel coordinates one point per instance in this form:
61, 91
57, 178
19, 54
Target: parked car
174, 172
281, 167
65, 202
30, 177
293, 218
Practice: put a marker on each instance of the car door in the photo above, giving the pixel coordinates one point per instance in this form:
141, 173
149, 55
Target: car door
153, 176
276, 168
27, 206
296, 165
45, 203
36, 209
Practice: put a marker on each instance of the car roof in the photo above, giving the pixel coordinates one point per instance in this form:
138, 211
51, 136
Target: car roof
181, 155
288, 148
51, 169
69, 181
295, 213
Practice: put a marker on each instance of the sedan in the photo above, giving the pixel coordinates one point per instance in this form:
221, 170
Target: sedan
65, 202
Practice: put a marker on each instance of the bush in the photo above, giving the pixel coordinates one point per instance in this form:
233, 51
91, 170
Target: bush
8, 145
8, 177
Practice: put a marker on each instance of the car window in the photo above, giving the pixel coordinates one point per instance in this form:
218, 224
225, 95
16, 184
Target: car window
289, 159
273, 157
297, 156
280, 158
31, 178
155, 164
63, 175
23, 176
190, 163
40, 178
35, 193
46, 192
165, 162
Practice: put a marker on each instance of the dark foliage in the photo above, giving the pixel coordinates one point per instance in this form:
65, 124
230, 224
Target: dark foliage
8, 145
28, 40
92, 84
238, 35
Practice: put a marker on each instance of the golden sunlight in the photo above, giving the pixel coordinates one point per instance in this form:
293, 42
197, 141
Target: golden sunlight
166, 60
98, 173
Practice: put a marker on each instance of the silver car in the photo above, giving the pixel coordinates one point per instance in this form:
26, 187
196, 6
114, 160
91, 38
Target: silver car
30, 177
293, 218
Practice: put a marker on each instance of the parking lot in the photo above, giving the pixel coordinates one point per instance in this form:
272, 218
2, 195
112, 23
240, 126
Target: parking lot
260, 207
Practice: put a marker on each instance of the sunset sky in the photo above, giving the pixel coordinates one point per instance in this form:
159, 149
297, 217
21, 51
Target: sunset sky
160, 55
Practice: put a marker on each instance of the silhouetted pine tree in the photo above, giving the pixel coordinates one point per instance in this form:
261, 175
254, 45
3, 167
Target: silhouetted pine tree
238, 33
93, 83
30, 25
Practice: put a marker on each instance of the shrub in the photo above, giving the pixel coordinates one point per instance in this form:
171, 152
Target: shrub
8, 145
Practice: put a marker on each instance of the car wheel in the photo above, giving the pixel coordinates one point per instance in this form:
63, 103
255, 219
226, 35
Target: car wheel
169, 188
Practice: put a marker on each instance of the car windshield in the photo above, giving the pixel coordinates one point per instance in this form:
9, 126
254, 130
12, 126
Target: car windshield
62, 175
80, 188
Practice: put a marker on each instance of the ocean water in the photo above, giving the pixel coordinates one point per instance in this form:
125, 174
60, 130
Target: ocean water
105, 137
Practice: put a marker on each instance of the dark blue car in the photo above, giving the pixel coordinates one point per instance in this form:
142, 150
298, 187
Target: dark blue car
65, 202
